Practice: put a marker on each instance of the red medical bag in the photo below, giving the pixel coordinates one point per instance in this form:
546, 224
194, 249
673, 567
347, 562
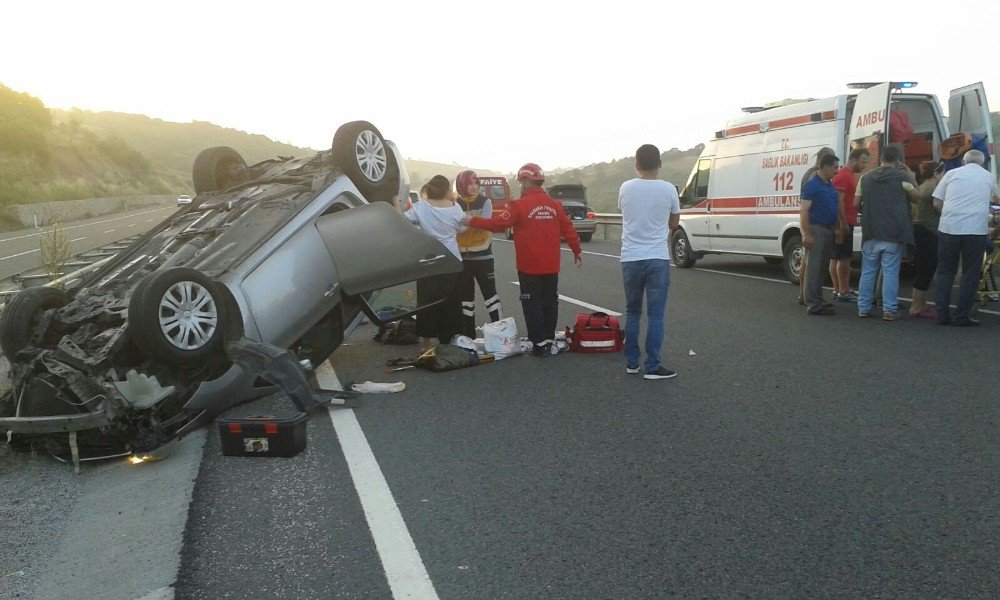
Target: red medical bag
597, 332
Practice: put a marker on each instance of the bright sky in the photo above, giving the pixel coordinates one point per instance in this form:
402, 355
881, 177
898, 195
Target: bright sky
491, 84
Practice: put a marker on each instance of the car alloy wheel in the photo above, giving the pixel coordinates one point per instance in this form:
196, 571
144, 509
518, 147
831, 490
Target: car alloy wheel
370, 153
188, 315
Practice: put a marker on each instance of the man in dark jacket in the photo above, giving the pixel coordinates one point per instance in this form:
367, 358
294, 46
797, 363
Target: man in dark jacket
883, 199
538, 222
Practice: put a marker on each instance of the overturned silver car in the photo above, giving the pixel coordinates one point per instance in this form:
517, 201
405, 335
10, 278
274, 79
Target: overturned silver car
268, 268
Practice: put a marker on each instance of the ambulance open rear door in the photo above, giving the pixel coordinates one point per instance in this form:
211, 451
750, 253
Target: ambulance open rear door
969, 113
869, 121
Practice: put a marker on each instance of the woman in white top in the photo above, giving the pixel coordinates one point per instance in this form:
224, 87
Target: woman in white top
440, 217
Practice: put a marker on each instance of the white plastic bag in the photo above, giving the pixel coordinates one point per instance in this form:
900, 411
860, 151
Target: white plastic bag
500, 338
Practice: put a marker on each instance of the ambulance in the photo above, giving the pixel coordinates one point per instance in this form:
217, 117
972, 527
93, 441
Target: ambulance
743, 193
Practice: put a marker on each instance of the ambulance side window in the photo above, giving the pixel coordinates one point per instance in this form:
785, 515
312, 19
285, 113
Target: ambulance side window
696, 189
704, 168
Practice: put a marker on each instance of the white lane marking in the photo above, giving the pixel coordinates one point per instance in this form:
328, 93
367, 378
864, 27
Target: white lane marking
404, 569
131, 224
592, 307
36, 250
785, 281
19, 254
110, 231
20, 237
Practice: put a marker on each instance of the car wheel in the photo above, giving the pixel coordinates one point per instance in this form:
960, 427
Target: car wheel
360, 151
680, 249
794, 252
586, 237
216, 169
177, 315
22, 315
774, 260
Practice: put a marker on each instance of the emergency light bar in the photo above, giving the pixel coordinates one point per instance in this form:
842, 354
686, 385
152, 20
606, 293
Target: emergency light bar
896, 85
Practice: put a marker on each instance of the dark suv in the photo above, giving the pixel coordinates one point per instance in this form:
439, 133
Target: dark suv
573, 197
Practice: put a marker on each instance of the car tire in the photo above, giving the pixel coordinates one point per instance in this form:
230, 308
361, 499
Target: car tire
216, 169
680, 250
586, 237
774, 260
360, 151
792, 254
21, 316
160, 322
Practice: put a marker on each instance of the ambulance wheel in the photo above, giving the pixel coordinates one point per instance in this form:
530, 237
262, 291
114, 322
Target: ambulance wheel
773, 260
794, 253
680, 250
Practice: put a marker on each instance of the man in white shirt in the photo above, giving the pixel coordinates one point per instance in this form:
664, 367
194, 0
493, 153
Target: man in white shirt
963, 196
650, 210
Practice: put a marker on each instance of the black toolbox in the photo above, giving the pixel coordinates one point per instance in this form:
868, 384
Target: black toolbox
264, 435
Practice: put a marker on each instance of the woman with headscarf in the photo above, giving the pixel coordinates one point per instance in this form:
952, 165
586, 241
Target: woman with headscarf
477, 254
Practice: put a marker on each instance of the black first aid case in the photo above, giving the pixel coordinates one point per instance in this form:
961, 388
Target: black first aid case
265, 435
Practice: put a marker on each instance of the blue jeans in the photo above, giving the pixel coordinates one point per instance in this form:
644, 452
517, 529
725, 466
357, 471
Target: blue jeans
651, 277
875, 253
971, 249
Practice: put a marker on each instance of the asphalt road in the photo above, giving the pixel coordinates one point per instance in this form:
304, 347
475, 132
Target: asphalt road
19, 250
793, 456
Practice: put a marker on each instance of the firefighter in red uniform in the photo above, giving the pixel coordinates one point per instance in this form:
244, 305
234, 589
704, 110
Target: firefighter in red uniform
538, 222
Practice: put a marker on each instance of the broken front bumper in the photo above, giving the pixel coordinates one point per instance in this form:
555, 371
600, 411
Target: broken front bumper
56, 424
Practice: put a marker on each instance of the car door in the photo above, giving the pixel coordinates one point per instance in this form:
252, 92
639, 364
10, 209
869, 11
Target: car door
696, 207
375, 247
968, 112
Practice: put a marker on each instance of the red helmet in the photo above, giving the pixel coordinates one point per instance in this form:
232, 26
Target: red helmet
464, 180
531, 171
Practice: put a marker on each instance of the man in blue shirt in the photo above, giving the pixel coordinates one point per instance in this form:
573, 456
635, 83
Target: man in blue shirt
820, 214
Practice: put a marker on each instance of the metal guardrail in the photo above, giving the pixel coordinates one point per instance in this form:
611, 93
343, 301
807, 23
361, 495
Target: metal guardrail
608, 219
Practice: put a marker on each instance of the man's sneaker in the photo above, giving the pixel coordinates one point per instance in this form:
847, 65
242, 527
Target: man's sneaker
891, 316
541, 350
631, 370
661, 373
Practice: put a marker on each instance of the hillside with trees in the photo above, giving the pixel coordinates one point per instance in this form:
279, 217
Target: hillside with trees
43, 160
172, 147
604, 179
51, 154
